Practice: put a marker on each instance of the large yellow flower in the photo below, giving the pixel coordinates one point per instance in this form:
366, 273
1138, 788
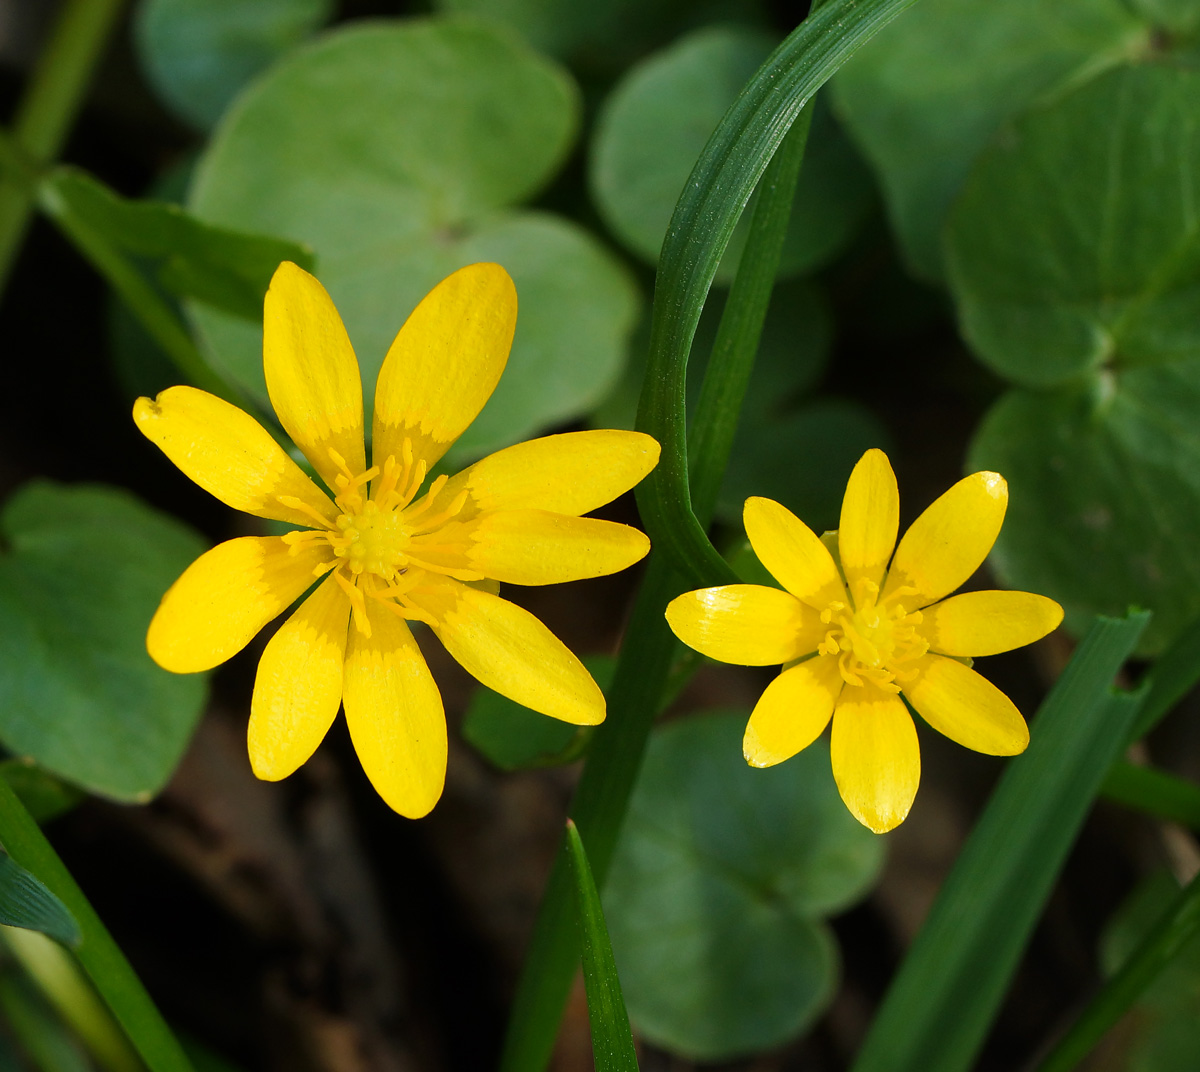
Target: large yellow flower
855, 634
386, 555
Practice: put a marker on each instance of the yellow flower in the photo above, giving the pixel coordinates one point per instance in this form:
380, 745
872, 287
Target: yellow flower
386, 555
854, 634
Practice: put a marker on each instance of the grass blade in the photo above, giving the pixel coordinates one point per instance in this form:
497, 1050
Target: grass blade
612, 1041
946, 994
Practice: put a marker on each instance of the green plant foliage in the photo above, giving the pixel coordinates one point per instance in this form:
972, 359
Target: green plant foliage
654, 125
397, 150
197, 54
1159, 1032
83, 570
1106, 178
226, 269
26, 903
612, 1042
1173, 16
43, 795
1103, 308
513, 737
924, 99
720, 886
605, 35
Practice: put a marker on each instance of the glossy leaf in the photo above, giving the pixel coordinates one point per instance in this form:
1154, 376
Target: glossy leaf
923, 101
84, 570
1105, 177
197, 54
398, 151
655, 123
612, 1043
1106, 495
720, 886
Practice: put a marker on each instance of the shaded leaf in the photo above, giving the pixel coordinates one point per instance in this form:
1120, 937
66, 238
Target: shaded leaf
43, 795
719, 887
83, 572
26, 903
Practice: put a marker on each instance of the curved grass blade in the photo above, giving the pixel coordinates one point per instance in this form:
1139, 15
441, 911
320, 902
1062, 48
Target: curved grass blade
731, 165
939, 1007
612, 1041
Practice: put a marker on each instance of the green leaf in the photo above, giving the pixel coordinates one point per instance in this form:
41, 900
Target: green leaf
224, 268
197, 54
939, 1007
1155, 792
605, 36
719, 887
924, 100
83, 572
44, 795
26, 903
764, 461
612, 1042
657, 120
398, 150
515, 738
1180, 17
1106, 179
41, 1035
1106, 494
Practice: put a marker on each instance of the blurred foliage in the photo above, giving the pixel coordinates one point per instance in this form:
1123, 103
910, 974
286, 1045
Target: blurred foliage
720, 887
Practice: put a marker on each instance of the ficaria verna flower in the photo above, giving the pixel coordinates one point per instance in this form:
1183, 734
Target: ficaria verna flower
855, 634
386, 555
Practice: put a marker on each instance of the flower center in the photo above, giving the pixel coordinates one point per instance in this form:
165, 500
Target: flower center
874, 640
385, 545
377, 541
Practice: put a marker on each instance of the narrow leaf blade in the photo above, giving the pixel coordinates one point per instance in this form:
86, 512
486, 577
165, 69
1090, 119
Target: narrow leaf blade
612, 1041
25, 902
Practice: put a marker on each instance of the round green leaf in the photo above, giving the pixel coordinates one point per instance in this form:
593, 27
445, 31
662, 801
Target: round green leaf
717, 891
923, 99
1104, 484
1076, 242
197, 54
658, 119
82, 574
396, 150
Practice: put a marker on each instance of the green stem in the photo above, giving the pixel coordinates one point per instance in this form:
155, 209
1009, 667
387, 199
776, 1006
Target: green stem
100, 956
728, 373
150, 308
1171, 678
49, 105
1174, 929
598, 810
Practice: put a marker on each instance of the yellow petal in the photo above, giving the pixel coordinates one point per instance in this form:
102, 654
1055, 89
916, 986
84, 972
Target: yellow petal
747, 624
298, 689
444, 363
792, 553
792, 712
230, 455
572, 473
225, 597
311, 372
394, 712
870, 520
538, 547
950, 540
876, 759
966, 707
511, 652
986, 623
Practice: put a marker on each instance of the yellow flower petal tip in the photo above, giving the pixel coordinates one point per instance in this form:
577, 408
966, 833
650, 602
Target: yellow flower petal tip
864, 622
386, 545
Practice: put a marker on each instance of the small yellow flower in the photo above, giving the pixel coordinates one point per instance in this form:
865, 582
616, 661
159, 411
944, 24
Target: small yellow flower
386, 555
854, 634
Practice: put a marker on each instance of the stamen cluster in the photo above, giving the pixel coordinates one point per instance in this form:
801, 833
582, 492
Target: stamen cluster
874, 639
